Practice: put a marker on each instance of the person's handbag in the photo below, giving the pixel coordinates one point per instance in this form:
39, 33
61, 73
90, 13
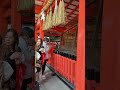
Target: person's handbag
38, 55
7, 70
43, 58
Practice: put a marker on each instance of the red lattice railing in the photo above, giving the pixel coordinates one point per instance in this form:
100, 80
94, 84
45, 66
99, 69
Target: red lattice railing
64, 66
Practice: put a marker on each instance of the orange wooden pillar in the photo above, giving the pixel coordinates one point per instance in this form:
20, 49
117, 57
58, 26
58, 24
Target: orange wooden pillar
80, 63
110, 51
15, 16
41, 32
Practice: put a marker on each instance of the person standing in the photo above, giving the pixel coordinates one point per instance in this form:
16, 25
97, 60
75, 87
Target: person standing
11, 55
38, 58
46, 47
24, 40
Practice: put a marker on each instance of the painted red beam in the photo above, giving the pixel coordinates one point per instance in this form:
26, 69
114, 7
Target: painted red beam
69, 3
70, 28
71, 17
73, 10
37, 9
72, 20
52, 34
75, 17
73, 13
56, 30
70, 8
60, 29
73, 30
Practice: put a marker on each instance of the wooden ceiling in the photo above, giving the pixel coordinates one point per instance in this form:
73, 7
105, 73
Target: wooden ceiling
72, 12
71, 7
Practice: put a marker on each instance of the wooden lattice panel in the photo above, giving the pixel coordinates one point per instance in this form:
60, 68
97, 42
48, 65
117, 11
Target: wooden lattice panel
70, 41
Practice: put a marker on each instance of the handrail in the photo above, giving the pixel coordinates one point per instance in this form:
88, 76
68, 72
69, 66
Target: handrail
70, 56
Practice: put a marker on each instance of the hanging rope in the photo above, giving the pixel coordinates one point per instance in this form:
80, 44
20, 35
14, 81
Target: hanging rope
45, 8
61, 13
57, 18
50, 19
55, 15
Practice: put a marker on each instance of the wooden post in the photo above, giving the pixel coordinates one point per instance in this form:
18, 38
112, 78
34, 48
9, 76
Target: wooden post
15, 16
110, 51
80, 63
41, 32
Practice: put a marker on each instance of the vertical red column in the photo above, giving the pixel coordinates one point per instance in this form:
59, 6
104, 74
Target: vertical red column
110, 51
80, 63
41, 32
15, 16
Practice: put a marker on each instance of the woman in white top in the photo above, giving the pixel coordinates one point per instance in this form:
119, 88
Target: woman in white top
47, 56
